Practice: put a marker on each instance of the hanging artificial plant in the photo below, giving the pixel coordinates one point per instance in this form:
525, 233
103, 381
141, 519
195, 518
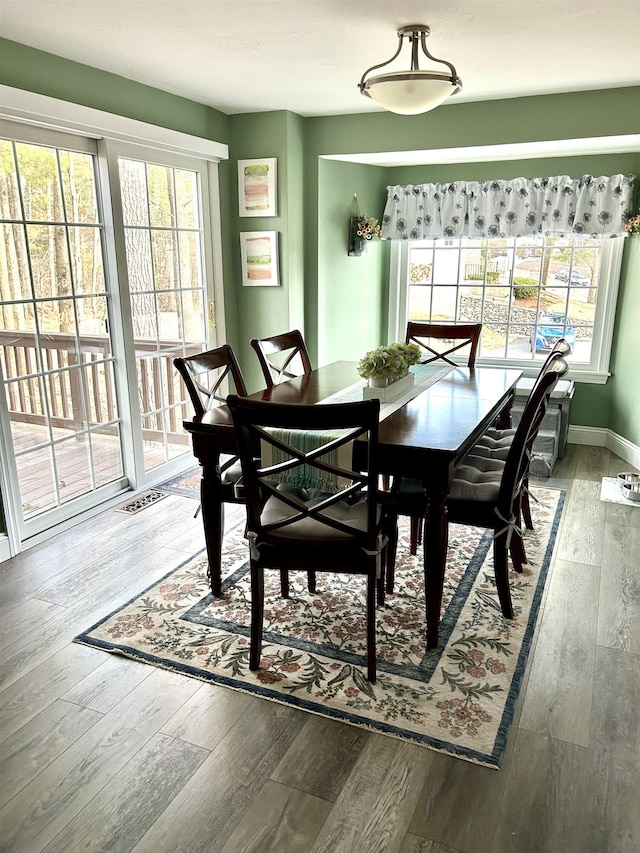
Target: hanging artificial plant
362, 229
633, 225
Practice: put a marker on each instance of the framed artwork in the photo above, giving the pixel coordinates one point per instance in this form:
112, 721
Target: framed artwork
257, 187
259, 253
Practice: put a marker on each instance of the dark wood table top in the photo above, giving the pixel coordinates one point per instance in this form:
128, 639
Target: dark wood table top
439, 426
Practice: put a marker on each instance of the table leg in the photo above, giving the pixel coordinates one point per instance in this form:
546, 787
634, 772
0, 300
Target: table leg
504, 418
436, 539
212, 519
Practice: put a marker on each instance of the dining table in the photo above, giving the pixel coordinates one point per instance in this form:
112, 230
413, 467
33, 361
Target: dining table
426, 438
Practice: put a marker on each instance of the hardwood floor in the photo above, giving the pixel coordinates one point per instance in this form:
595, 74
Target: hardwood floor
102, 753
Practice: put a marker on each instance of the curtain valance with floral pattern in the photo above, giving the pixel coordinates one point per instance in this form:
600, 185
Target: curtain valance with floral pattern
553, 207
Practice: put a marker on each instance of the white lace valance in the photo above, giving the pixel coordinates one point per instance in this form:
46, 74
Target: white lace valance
522, 207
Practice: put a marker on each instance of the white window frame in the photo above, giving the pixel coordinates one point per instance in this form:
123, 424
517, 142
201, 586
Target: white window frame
595, 372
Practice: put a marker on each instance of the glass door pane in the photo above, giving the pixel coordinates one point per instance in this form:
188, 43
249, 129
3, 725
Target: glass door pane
162, 221
55, 348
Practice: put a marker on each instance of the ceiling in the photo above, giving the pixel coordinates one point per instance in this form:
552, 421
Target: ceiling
307, 56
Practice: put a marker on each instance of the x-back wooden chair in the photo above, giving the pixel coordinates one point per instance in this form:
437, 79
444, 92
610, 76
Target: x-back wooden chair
293, 524
459, 336
206, 376
486, 493
281, 356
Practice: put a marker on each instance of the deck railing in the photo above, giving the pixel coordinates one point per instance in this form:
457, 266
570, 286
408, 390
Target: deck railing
63, 359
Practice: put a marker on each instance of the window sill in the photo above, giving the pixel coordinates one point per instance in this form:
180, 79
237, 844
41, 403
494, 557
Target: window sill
577, 373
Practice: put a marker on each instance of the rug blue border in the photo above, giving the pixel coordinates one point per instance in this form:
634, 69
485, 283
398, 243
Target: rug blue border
491, 760
169, 487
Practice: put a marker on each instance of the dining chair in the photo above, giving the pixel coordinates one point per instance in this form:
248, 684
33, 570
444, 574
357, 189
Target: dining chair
425, 335
292, 524
487, 492
495, 443
206, 376
282, 357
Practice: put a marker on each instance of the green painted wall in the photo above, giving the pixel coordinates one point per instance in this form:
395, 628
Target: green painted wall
352, 292
264, 311
624, 416
36, 71
584, 114
575, 115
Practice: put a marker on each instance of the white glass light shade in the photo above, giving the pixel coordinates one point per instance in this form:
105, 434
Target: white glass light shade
410, 92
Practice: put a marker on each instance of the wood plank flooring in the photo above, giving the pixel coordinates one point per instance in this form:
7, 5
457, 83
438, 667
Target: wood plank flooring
100, 753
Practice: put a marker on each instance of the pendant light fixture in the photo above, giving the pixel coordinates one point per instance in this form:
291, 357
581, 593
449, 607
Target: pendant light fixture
413, 91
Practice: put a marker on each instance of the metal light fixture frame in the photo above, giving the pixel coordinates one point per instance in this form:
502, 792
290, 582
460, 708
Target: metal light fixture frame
417, 36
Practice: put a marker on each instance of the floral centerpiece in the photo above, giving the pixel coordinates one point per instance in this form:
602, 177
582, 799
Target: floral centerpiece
388, 363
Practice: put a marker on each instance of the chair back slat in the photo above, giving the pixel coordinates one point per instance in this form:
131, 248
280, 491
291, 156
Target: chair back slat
204, 374
517, 462
425, 335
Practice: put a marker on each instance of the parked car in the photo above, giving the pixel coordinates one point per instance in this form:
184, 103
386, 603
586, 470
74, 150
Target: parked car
573, 277
548, 330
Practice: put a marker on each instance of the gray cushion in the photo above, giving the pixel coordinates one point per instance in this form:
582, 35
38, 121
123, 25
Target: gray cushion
353, 514
477, 479
495, 443
233, 472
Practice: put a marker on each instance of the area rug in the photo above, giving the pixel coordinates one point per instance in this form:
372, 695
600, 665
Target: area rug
186, 484
458, 699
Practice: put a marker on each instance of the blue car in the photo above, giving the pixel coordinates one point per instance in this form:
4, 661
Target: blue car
548, 330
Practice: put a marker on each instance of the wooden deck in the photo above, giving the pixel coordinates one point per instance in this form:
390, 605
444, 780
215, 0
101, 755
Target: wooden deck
35, 470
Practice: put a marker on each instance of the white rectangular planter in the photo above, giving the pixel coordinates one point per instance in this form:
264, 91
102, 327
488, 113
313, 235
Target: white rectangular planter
389, 392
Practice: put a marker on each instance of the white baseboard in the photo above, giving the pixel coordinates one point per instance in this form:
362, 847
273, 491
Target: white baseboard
5, 551
594, 436
623, 448
602, 437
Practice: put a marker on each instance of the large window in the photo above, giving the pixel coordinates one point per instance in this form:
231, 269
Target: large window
526, 292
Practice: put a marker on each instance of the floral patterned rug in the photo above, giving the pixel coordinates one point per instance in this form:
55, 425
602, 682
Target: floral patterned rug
186, 484
458, 699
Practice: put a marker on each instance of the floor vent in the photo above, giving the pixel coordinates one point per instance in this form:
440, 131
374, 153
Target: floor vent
141, 502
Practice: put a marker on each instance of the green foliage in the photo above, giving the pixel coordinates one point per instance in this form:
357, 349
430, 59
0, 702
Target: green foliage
389, 362
492, 276
523, 288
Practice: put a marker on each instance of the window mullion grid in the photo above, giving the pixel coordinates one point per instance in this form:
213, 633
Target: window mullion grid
44, 400
84, 397
157, 386
457, 284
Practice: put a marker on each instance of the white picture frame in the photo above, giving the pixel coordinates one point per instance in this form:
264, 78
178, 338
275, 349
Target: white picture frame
259, 257
257, 187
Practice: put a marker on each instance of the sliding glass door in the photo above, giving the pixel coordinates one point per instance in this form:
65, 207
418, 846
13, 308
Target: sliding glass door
60, 400
105, 277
